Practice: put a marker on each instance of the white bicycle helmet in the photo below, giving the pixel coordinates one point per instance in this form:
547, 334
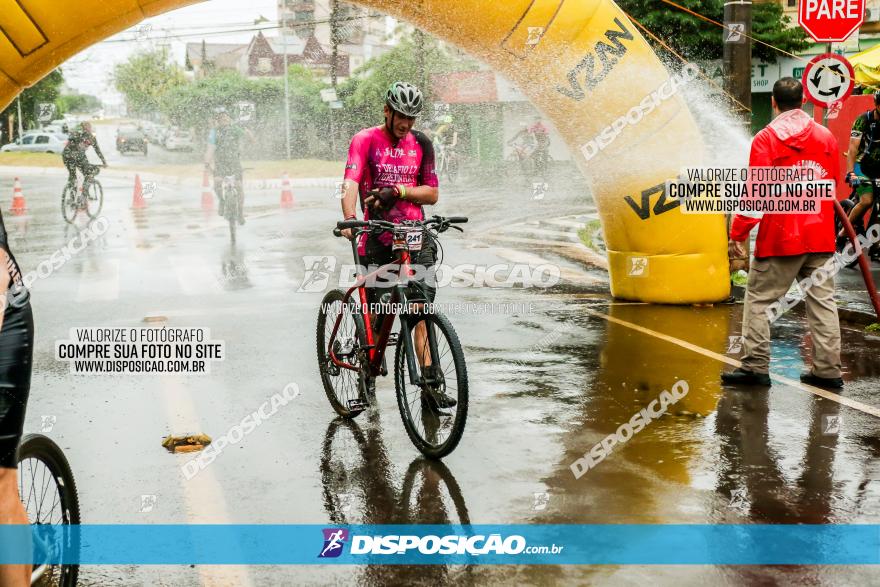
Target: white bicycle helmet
404, 98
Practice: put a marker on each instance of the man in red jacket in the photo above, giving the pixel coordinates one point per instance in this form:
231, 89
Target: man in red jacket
790, 246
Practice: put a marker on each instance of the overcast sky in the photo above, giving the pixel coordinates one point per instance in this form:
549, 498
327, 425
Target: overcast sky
89, 72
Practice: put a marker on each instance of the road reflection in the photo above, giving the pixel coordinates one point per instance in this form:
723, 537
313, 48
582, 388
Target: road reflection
361, 487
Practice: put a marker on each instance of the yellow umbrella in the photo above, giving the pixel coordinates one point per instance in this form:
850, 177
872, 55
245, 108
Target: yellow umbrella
867, 67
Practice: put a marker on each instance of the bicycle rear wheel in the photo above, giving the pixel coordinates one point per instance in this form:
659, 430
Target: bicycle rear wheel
94, 199
434, 430
230, 207
48, 492
347, 390
69, 203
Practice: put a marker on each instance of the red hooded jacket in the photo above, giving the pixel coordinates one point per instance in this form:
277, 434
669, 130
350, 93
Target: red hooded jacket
793, 139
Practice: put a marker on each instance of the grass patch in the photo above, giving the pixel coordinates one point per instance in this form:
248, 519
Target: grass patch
875, 327
31, 160
591, 234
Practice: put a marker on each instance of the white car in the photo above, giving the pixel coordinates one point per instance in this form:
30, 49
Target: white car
37, 142
179, 140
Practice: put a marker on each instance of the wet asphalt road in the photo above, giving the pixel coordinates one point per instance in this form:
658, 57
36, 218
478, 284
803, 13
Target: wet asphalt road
549, 377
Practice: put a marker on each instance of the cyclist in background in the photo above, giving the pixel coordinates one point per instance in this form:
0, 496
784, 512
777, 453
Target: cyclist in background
864, 148
396, 163
74, 153
224, 155
541, 141
16, 353
446, 134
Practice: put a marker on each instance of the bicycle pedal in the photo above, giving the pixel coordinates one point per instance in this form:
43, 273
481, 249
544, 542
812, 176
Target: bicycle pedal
357, 405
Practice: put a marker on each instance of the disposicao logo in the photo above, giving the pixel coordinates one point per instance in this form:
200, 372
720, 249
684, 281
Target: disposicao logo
334, 540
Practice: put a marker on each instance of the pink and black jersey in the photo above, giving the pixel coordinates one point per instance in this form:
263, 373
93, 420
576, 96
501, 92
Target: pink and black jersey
374, 161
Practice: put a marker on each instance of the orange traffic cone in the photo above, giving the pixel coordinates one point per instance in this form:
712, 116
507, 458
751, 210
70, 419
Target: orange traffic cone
138, 201
286, 192
18, 207
207, 193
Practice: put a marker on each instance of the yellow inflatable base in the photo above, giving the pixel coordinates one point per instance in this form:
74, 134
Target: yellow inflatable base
669, 279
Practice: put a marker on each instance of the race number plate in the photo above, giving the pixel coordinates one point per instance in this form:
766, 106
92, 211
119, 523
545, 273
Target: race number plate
414, 239
407, 238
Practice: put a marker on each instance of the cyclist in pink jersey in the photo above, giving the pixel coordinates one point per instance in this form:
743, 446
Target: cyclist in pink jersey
398, 163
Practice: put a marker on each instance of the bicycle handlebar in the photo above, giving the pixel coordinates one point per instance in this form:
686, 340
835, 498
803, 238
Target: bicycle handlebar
382, 225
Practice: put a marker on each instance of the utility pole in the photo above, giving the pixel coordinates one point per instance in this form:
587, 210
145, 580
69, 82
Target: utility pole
20, 125
738, 57
286, 91
334, 42
419, 38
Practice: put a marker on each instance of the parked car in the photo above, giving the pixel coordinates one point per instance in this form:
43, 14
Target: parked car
37, 142
179, 140
130, 138
155, 133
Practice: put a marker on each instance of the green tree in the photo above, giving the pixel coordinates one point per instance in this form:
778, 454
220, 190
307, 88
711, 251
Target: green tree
46, 90
770, 25
364, 93
145, 79
695, 38
77, 103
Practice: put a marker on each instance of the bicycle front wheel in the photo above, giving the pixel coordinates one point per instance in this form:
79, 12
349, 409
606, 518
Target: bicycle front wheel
94, 199
69, 203
435, 430
48, 492
346, 389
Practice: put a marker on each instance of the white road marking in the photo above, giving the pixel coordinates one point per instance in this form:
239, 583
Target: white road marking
194, 275
98, 280
204, 497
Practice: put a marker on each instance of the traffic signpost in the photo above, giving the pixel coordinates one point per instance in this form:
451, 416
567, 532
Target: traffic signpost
831, 21
827, 79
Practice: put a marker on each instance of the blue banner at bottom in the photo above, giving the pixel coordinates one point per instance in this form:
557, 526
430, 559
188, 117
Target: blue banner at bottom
614, 544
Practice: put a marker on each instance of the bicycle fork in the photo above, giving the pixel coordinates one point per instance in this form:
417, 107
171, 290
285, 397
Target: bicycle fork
407, 338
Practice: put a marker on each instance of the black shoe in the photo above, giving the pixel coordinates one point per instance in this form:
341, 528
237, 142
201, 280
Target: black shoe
745, 377
240, 219
823, 382
434, 390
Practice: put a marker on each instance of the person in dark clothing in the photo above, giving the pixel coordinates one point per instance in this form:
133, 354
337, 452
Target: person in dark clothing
16, 355
74, 154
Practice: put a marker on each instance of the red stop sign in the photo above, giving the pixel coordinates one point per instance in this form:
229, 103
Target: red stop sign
831, 21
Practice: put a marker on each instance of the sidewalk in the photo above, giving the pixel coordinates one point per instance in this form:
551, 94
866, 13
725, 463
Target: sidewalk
194, 180
560, 235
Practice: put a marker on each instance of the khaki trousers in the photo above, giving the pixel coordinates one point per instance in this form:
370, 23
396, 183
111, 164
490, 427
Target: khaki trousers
769, 279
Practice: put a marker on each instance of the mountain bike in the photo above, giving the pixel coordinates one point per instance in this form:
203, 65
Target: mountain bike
48, 492
88, 197
447, 163
352, 341
231, 195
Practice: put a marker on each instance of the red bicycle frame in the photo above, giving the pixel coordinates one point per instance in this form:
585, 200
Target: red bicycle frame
375, 348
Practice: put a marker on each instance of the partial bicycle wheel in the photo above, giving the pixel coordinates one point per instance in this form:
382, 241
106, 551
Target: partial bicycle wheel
231, 204
48, 492
69, 204
94, 199
452, 169
346, 389
434, 429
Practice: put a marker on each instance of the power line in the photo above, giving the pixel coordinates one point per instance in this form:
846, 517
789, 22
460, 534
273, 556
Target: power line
250, 28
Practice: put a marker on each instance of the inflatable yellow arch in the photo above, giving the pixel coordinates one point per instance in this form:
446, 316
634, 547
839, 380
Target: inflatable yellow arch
583, 63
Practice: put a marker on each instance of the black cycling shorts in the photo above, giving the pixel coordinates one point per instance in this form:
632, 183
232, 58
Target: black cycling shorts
16, 355
379, 254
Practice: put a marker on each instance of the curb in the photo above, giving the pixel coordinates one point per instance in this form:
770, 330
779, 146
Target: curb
558, 234
314, 182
